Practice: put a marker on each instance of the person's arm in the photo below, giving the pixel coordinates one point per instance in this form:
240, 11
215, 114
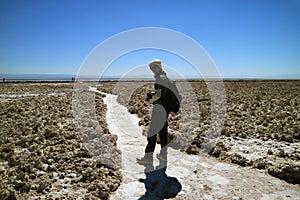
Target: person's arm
156, 96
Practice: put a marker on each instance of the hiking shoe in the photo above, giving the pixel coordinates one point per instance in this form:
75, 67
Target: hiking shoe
161, 157
144, 161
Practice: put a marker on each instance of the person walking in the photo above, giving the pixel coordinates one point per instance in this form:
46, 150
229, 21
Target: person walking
160, 113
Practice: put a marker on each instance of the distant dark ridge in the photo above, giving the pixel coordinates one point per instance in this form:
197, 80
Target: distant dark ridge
36, 77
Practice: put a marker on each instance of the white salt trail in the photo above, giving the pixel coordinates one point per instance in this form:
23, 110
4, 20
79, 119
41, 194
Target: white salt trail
130, 142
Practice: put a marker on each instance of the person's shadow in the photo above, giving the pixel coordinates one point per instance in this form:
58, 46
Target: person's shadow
158, 184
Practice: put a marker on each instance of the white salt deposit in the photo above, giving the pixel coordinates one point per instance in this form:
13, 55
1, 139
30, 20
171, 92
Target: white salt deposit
218, 180
11, 97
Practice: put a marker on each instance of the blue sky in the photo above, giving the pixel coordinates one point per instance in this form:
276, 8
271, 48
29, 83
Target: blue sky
243, 37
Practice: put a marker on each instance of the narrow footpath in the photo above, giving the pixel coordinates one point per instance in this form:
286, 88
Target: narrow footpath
201, 176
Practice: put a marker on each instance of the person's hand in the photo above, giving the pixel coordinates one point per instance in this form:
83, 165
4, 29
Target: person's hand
149, 96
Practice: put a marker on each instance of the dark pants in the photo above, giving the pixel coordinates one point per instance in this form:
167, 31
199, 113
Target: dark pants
158, 124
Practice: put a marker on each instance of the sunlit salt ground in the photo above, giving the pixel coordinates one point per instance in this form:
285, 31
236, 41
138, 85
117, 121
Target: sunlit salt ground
11, 97
201, 177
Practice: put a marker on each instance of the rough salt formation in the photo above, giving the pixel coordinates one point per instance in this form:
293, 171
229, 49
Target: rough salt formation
90, 117
261, 127
43, 156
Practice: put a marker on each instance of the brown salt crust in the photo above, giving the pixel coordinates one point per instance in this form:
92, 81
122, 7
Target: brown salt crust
90, 115
267, 111
41, 152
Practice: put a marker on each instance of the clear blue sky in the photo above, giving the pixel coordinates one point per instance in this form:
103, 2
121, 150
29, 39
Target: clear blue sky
243, 37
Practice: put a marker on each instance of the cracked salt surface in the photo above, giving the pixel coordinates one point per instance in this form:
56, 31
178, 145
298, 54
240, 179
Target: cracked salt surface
201, 176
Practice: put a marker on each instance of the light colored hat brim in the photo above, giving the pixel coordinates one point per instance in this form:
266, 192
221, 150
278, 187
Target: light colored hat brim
156, 63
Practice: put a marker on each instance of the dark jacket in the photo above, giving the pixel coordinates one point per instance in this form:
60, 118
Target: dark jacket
162, 83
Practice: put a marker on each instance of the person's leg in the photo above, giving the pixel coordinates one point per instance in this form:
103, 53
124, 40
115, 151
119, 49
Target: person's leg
151, 144
158, 119
157, 123
151, 137
163, 135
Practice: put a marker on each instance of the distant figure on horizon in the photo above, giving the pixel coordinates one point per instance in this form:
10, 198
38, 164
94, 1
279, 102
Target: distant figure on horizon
159, 119
3, 80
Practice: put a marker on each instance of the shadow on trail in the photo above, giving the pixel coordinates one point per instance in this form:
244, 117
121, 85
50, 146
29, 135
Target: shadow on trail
158, 184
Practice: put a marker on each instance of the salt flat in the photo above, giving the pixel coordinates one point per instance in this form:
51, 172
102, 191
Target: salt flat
47, 154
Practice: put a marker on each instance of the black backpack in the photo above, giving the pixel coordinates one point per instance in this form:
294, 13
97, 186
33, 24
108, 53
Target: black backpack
174, 99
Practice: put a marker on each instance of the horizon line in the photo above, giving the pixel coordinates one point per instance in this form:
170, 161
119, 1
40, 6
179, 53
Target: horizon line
22, 76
